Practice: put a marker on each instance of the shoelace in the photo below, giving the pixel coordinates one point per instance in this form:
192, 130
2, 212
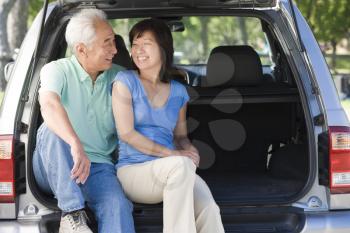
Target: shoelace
78, 220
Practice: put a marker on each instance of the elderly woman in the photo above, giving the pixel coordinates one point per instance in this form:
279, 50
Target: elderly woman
157, 162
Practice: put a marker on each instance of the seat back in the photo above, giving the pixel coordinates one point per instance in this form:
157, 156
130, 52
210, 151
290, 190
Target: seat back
232, 117
122, 57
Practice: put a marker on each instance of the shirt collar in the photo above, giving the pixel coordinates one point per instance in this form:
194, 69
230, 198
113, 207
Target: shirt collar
83, 75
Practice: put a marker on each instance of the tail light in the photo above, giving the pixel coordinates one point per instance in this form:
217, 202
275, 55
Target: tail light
339, 138
7, 181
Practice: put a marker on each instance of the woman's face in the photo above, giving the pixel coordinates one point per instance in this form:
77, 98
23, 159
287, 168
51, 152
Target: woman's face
146, 53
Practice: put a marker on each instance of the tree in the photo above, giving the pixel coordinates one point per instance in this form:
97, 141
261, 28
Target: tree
5, 55
328, 19
17, 24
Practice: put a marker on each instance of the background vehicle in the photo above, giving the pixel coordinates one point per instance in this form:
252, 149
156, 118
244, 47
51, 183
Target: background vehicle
264, 113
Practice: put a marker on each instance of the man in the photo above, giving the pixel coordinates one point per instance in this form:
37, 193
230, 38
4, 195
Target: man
73, 156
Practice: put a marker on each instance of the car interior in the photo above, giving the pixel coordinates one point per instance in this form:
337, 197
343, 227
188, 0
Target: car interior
246, 120
244, 114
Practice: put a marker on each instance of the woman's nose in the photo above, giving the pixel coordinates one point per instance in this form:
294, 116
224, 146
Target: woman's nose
139, 49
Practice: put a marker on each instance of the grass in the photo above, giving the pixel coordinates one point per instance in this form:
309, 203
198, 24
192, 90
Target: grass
346, 104
342, 63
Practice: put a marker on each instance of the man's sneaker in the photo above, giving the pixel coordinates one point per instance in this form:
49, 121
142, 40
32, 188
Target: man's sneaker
74, 223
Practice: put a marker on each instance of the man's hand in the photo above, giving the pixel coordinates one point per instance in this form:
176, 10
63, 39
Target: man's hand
56, 119
81, 167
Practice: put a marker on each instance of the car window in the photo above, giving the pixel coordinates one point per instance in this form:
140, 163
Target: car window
201, 34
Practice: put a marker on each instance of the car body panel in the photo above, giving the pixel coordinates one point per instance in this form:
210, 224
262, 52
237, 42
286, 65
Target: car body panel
320, 96
324, 222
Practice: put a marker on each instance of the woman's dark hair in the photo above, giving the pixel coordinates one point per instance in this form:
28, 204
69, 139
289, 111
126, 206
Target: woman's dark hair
164, 39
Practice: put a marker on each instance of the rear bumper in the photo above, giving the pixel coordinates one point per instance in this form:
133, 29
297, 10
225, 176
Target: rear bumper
322, 222
15, 226
332, 222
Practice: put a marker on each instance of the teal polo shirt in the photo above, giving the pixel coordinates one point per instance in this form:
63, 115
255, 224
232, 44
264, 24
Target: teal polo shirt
89, 107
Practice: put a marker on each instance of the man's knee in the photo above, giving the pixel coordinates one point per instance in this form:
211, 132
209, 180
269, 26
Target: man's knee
48, 139
116, 204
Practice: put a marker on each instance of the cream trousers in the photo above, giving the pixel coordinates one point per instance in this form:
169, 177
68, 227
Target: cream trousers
188, 205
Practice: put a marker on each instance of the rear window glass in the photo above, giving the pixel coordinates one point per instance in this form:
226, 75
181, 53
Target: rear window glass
199, 35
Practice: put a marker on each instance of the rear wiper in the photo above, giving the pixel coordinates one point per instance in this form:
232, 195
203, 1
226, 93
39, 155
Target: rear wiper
301, 44
25, 96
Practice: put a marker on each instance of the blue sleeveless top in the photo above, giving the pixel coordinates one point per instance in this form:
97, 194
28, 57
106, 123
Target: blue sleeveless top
155, 123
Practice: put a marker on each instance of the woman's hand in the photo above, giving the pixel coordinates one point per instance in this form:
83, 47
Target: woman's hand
192, 154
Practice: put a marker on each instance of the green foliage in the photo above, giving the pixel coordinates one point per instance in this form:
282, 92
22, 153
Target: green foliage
329, 19
202, 34
342, 64
346, 105
123, 26
34, 8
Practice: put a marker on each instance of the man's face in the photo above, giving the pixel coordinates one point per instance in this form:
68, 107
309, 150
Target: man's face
101, 51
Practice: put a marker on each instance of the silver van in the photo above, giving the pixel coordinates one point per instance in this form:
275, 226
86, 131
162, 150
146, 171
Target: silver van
264, 113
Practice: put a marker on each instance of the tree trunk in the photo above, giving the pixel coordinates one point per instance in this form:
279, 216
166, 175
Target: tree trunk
243, 28
334, 55
204, 35
17, 24
5, 56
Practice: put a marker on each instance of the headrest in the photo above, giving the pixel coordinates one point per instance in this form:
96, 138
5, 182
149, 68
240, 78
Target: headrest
233, 66
122, 57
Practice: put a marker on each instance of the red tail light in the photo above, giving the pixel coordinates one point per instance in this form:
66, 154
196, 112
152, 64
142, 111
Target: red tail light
339, 138
7, 181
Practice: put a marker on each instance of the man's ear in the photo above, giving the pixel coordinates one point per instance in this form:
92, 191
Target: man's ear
81, 49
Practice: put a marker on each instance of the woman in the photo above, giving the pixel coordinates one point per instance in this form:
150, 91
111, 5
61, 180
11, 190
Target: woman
157, 162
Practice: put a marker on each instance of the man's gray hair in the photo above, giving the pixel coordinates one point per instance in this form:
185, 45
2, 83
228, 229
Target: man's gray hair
81, 27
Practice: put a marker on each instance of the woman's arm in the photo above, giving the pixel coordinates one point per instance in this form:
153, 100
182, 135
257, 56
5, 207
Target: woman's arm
181, 140
124, 118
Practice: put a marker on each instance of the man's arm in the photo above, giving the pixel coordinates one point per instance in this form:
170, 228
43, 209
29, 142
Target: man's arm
56, 119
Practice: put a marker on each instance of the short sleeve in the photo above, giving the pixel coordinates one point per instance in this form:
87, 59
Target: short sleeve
125, 78
184, 94
52, 78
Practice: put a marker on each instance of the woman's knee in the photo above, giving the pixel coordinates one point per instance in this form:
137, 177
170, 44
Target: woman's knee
181, 169
181, 162
207, 208
182, 165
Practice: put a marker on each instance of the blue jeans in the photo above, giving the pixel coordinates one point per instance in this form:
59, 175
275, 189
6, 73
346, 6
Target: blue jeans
52, 164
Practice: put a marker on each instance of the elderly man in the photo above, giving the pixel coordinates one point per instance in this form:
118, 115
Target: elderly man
73, 156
